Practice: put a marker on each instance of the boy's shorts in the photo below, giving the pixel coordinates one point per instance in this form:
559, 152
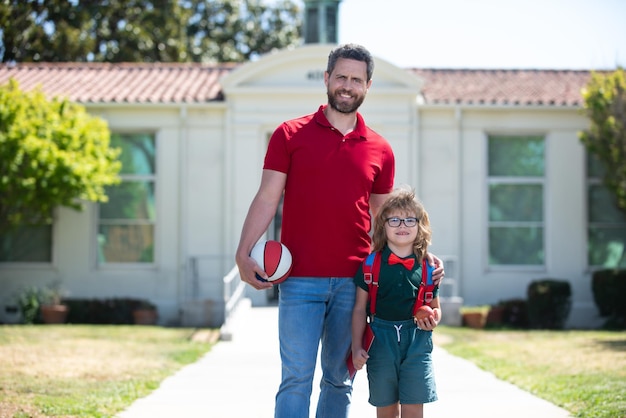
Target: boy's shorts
400, 364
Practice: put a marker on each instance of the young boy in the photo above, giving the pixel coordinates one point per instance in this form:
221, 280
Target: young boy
399, 363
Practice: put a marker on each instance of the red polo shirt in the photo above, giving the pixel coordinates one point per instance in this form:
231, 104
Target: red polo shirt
330, 178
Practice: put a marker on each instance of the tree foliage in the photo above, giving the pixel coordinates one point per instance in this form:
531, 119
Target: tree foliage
52, 153
605, 105
145, 30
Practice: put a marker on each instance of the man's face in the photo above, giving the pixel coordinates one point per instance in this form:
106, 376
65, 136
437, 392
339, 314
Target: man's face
347, 85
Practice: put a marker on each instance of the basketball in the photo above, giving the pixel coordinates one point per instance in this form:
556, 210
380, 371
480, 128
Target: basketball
274, 258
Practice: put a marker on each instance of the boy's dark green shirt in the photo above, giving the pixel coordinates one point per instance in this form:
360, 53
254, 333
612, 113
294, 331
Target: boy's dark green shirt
397, 288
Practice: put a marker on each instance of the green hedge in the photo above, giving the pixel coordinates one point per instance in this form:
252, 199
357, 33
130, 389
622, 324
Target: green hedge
549, 303
115, 311
609, 293
515, 313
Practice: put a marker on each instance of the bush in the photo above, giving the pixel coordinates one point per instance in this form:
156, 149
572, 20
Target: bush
549, 303
116, 311
28, 302
30, 299
53, 154
609, 293
515, 313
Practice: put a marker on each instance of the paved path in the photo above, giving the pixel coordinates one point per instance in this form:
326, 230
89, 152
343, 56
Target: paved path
239, 378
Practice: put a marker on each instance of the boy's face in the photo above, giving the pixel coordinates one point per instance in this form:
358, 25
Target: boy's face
402, 235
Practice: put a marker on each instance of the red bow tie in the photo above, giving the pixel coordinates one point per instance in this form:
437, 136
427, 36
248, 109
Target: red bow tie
408, 263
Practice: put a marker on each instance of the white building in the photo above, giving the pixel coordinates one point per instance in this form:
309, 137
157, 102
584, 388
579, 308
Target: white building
493, 154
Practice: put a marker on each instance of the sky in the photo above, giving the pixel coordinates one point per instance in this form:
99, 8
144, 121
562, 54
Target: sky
489, 34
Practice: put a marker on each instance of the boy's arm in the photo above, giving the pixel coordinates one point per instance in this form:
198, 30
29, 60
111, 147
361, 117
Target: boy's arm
429, 323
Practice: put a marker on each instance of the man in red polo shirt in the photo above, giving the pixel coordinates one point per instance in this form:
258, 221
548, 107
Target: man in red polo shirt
334, 171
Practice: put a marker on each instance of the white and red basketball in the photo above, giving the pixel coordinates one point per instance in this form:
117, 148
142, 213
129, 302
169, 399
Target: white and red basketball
274, 258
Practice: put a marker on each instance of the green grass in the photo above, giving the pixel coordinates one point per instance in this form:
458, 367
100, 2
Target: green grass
98, 371
86, 371
584, 372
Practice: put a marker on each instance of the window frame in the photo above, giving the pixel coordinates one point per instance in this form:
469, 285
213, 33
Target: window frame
38, 264
515, 180
154, 178
594, 180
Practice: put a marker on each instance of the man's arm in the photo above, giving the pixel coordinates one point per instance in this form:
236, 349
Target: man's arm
262, 210
376, 201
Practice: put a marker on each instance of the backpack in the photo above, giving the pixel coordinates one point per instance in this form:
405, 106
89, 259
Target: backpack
371, 270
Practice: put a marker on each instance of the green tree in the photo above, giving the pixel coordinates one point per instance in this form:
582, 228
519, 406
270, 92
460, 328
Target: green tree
605, 105
52, 153
238, 31
145, 30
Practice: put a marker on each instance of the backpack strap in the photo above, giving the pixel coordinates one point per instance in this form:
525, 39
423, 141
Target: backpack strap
426, 290
371, 268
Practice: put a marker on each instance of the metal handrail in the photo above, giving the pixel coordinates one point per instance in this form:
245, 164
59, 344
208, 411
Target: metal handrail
227, 292
232, 296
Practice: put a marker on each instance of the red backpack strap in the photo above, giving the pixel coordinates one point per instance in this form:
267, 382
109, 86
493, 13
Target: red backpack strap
426, 290
371, 268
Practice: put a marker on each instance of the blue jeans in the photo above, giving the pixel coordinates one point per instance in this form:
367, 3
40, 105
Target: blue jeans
311, 310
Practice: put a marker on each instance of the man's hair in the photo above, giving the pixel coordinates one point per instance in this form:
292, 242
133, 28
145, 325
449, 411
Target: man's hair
353, 52
403, 200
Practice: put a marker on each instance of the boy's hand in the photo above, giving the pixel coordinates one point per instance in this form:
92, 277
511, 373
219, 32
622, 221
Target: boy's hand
429, 323
359, 358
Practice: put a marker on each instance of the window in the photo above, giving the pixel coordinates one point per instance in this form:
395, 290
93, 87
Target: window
606, 228
331, 24
324, 30
515, 189
311, 24
27, 244
126, 225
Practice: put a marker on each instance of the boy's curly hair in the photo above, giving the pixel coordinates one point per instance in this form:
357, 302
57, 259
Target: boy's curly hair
403, 200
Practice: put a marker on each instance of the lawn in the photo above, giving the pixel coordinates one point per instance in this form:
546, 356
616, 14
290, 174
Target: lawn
584, 372
87, 371
97, 371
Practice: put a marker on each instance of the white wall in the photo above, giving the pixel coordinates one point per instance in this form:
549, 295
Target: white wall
210, 159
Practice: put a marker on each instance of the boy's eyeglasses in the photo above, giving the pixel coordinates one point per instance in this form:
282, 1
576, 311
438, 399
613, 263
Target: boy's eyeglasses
395, 222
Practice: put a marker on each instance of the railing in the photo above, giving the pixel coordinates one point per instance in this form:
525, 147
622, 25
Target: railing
449, 290
450, 284
205, 291
234, 290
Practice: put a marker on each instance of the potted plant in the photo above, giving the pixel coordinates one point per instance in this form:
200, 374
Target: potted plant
145, 313
45, 305
474, 316
53, 310
28, 302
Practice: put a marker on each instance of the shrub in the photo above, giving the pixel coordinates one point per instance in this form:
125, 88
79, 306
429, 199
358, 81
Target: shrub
30, 299
515, 313
28, 302
115, 311
609, 293
53, 154
495, 316
549, 303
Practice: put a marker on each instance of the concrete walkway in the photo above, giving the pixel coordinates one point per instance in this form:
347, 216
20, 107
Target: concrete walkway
239, 378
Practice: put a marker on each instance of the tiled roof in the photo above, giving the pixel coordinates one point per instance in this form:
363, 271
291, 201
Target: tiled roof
199, 83
504, 87
122, 83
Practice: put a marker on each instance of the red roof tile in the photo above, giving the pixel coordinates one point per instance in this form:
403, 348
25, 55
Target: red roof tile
122, 83
503, 87
173, 83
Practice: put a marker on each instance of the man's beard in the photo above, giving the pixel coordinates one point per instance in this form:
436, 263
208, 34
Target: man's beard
344, 107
